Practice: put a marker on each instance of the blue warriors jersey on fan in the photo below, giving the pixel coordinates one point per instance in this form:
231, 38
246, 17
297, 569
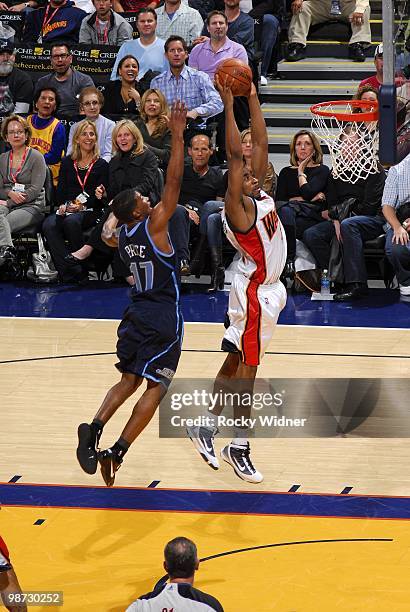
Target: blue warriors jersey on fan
154, 272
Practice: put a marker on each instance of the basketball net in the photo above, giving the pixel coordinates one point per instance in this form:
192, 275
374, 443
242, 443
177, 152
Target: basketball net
353, 141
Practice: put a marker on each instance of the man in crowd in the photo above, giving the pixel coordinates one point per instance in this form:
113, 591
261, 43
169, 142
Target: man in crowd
181, 562
311, 12
396, 210
104, 27
16, 86
67, 81
178, 19
148, 49
180, 82
60, 20
207, 55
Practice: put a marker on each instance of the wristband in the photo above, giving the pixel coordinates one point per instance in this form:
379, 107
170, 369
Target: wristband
302, 174
405, 225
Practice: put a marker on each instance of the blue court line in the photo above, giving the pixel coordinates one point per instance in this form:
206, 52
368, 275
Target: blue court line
198, 501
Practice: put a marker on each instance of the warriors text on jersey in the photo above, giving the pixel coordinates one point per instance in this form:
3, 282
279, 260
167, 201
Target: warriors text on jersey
257, 295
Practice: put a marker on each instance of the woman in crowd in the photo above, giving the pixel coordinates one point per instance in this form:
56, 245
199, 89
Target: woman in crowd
123, 96
300, 192
133, 166
47, 133
153, 125
366, 92
22, 177
269, 184
91, 101
81, 174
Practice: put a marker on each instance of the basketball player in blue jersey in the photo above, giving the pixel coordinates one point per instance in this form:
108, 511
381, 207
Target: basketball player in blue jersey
257, 296
150, 334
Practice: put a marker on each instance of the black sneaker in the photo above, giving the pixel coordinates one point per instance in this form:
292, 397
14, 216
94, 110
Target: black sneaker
295, 52
356, 52
203, 440
109, 464
239, 458
86, 451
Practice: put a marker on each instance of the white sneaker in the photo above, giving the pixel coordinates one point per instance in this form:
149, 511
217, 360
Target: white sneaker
404, 290
264, 80
239, 458
203, 440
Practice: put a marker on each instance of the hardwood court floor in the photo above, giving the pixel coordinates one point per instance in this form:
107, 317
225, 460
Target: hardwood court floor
54, 374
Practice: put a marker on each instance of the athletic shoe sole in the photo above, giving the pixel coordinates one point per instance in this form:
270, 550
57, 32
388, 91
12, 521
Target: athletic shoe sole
106, 467
87, 460
241, 475
211, 461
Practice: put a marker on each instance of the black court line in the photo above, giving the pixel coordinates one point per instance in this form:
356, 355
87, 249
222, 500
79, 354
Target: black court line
153, 484
345, 491
294, 488
51, 357
15, 478
39, 521
241, 550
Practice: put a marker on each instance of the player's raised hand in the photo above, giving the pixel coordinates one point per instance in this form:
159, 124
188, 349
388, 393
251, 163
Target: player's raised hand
178, 117
225, 90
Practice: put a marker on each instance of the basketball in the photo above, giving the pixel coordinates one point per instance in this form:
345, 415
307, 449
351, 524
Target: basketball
240, 72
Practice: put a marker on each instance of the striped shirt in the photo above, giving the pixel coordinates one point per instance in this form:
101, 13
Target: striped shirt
186, 22
397, 186
193, 87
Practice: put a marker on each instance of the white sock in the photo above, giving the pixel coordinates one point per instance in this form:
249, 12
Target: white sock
242, 442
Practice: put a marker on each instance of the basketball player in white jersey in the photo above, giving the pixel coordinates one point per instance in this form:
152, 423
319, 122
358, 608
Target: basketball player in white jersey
257, 296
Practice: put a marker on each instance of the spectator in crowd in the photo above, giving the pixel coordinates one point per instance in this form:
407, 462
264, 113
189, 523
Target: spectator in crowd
376, 79
300, 192
205, 6
59, 20
202, 193
178, 19
366, 92
104, 27
48, 134
207, 55
67, 81
78, 207
15, 6
180, 82
22, 177
268, 16
181, 563
362, 221
134, 6
123, 97
396, 210
148, 49
9, 584
153, 125
311, 12
16, 86
91, 101
133, 166
269, 185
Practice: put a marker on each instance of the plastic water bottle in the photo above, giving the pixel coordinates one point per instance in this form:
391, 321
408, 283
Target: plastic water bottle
335, 8
325, 283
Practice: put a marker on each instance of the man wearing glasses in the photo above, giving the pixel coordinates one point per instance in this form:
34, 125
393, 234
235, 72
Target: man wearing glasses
67, 81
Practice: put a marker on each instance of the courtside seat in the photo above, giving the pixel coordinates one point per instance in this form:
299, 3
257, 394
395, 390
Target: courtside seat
378, 266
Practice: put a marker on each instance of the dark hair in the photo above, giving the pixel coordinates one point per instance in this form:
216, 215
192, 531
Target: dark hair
38, 93
172, 39
213, 13
60, 44
180, 558
122, 60
147, 10
123, 205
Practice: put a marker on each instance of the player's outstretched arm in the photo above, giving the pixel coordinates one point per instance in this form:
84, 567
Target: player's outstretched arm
108, 233
233, 150
259, 138
166, 208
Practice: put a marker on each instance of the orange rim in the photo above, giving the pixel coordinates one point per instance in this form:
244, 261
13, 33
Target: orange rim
369, 110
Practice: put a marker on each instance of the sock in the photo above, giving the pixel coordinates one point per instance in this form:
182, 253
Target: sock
242, 442
120, 448
97, 427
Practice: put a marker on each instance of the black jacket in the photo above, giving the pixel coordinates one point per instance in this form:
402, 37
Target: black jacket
139, 172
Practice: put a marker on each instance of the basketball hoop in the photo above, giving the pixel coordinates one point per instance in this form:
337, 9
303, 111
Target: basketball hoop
350, 130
